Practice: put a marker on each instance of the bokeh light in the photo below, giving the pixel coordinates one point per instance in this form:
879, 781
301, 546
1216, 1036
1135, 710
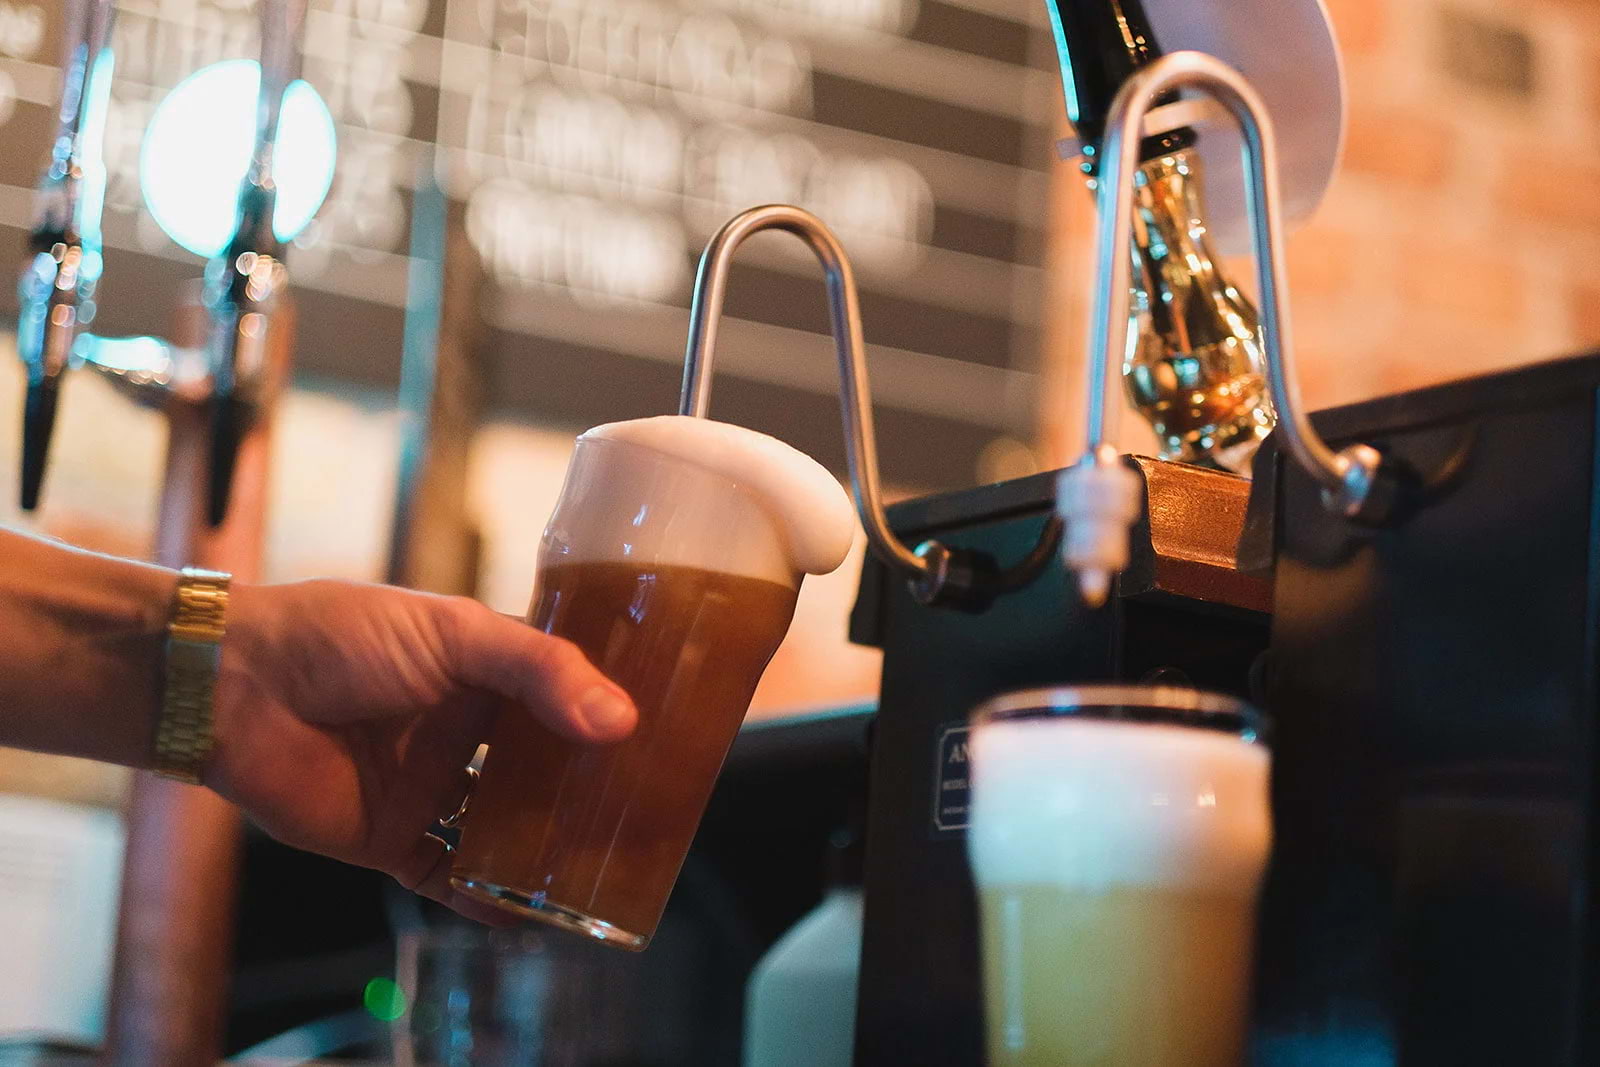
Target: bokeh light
384, 999
197, 150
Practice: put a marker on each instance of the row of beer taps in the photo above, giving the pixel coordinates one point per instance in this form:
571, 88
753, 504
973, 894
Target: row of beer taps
243, 285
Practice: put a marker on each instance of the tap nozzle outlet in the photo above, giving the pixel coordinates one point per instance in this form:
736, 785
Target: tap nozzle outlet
1099, 499
55, 295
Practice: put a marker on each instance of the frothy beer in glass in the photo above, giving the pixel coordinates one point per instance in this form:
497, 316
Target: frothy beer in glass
1118, 838
673, 560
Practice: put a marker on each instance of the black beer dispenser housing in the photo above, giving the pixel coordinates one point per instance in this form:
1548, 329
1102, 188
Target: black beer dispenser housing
1183, 614
1431, 686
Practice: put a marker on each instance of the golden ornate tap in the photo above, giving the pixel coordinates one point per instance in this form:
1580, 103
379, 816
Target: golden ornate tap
1193, 365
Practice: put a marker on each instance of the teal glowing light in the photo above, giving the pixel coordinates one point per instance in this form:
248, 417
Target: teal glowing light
197, 149
384, 999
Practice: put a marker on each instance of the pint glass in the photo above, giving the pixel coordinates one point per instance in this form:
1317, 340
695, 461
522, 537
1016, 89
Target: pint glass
678, 581
1118, 838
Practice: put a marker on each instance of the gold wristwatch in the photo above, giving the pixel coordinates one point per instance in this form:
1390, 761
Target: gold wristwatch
194, 653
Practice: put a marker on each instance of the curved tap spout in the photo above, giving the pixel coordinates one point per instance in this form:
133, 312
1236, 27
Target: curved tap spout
244, 284
56, 290
1096, 497
855, 393
937, 575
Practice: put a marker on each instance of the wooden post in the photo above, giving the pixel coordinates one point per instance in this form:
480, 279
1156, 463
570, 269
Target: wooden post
434, 544
169, 983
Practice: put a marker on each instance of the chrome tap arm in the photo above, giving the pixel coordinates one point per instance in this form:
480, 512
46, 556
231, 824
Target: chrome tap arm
56, 290
936, 574
855, 392
1094, 497
244, 283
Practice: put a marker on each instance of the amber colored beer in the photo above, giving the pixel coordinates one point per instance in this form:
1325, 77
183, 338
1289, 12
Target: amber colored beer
600, 831
673, 560
1119, 976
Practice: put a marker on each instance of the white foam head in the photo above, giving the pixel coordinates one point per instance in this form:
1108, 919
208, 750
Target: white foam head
703, 494
1091, 805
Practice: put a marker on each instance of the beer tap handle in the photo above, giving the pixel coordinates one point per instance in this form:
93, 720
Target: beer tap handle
245, 283
1097, 497
56, 289
937, 574
1099, 44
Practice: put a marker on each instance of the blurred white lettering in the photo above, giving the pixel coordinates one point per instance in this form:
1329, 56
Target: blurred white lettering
598, 250
704, 61
594, 141
881, 207
580, 141
839, 17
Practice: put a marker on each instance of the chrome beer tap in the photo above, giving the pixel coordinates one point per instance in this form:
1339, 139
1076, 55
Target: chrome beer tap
229, 374
1099, 497
56, 290
1192, 363
245, 283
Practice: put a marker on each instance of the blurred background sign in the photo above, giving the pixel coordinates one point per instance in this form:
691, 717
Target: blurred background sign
591, 148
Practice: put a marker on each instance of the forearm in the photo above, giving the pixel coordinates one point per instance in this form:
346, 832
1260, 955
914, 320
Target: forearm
81, 650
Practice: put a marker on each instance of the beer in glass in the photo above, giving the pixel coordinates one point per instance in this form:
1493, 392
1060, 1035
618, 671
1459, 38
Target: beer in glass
1118, 838
673, 560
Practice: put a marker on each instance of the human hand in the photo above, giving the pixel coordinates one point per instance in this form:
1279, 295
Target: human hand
346, 715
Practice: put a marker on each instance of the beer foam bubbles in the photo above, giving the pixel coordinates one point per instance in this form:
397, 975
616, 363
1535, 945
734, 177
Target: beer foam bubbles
1091, 805
809, 511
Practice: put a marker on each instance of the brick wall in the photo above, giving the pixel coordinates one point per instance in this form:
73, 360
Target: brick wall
1462, 229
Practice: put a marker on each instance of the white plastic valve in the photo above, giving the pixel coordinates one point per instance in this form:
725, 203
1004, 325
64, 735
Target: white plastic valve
1098, 499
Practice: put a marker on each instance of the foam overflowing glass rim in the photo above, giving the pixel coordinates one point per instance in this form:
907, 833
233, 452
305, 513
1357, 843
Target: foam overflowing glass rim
799, 493
1150, 705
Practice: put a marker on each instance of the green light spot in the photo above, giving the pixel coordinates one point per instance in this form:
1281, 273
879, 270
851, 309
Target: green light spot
384, 1000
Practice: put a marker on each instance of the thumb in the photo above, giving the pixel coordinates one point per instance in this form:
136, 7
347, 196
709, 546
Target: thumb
545, 675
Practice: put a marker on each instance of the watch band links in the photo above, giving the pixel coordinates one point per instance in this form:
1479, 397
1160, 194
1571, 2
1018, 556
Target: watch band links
194, 654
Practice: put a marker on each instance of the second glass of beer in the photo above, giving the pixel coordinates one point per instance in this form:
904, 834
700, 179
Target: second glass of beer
673, 560
1118, 839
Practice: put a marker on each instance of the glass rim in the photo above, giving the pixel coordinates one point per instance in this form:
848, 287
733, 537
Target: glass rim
1149, 705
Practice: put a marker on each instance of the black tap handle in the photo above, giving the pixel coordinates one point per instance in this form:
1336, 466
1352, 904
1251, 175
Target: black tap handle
230, 421
56, 291
1100, 43
244, 284
38, 423
46, 328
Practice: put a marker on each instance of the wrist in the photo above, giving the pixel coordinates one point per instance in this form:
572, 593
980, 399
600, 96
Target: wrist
239, 684
86, 633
